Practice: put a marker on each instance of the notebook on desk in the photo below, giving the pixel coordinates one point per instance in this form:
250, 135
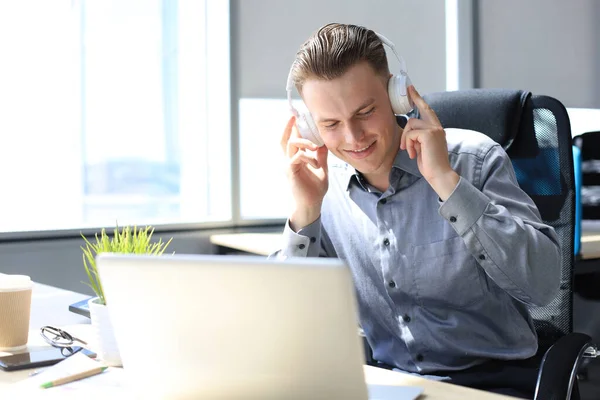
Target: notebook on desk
81, 308
237, 327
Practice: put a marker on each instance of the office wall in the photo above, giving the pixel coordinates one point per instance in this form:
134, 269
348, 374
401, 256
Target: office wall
58, 262
267, 34
547, 46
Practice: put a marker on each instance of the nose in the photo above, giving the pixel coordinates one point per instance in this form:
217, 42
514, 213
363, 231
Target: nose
353, 133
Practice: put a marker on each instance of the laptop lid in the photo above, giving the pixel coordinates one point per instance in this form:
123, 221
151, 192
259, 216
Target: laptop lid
207, 326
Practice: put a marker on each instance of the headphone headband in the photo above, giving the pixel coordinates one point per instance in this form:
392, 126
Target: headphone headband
290, 84
288, 88
391, 45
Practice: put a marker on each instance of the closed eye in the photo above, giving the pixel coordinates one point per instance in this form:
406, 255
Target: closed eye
367, 113
331, 126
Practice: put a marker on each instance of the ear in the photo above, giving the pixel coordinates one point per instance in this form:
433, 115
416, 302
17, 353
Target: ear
386, 80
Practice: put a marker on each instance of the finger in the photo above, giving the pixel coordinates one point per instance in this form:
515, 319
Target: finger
417, 148
417, 134
287, 132
322, 153
410, 147
425, 133
413, 139
407, 128
301, 158
403, 139
427, 114
305, 144
297, 143
415, 123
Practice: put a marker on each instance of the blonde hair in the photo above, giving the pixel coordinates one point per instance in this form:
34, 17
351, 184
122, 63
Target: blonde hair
333, 49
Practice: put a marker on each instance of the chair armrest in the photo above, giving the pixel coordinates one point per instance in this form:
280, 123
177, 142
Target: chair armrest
558, 370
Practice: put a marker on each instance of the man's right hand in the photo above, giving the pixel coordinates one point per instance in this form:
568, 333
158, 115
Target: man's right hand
307, 173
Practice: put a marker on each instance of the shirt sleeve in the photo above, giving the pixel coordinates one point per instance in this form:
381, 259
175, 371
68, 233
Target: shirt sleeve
503, 230
307, 242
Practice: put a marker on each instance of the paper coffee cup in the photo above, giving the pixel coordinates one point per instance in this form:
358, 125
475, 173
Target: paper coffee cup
15, 309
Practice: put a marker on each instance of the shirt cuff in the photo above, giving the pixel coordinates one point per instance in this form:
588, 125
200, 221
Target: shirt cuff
464, 207
305, 243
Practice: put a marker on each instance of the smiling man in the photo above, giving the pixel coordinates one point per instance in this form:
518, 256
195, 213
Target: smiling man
445, 249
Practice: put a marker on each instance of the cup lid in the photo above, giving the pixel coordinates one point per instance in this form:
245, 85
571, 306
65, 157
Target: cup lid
9, 283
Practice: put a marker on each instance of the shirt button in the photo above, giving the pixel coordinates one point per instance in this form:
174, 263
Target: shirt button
313, 239
453, 219
383, 201
419, 357
406, 318
301, 246
392, 284
386, 242
482, 257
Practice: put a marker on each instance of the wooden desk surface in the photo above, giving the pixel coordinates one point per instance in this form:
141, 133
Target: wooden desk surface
51, 302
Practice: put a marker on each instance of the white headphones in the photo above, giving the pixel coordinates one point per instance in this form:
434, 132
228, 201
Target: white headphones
397, 91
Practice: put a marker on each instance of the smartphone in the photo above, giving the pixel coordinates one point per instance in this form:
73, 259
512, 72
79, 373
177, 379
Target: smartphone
37, 358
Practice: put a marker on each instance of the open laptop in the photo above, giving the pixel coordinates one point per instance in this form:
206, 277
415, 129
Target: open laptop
237, 327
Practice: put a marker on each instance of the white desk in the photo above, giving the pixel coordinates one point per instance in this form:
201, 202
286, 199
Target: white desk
590, 245
49, 304
266, 243
261, 244
51, 307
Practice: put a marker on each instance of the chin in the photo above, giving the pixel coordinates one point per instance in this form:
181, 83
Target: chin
366, 166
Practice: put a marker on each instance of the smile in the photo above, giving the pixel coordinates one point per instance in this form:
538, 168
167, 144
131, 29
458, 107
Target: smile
361, 153
361, 150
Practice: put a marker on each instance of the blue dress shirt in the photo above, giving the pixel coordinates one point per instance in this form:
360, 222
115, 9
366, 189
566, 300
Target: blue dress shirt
441, 286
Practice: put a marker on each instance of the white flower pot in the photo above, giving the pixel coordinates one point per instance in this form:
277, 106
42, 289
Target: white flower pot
104, 337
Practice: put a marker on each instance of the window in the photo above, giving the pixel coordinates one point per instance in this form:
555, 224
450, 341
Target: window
584, 120
105, 113
262, 122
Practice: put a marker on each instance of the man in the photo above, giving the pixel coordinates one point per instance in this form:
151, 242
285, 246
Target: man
445, 249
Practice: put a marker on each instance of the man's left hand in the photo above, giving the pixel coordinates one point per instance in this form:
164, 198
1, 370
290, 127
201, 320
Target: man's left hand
425, 139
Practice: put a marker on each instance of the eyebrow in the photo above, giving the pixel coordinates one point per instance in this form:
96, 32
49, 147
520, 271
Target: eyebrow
367, 103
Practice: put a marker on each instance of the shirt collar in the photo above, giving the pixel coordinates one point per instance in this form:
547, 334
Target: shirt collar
404, 162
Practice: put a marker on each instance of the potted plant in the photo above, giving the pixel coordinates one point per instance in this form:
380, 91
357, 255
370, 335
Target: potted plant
129, 240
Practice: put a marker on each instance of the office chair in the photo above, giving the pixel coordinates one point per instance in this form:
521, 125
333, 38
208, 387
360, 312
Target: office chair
536, 134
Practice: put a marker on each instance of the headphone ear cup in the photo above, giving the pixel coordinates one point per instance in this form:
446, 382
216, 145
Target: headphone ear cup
308, 129
397, 91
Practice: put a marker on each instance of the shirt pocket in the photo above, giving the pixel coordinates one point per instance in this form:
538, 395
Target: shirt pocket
446, 274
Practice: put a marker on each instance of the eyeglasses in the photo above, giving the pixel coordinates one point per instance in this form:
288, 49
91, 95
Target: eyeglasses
63, 340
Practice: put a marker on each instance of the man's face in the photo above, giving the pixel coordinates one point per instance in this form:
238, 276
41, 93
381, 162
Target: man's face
355, 118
